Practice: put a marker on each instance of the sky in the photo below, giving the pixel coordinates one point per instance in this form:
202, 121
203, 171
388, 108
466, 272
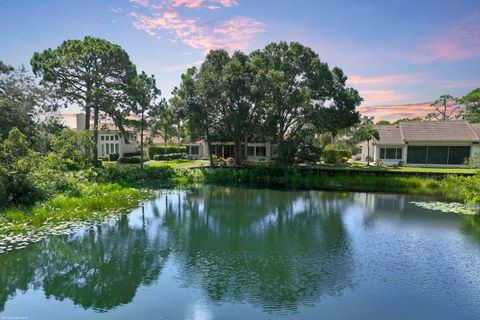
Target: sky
400, 55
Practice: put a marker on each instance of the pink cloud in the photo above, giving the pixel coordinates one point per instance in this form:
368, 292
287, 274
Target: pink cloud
459, 41
395, 112
381, 96
229, 34
393, 79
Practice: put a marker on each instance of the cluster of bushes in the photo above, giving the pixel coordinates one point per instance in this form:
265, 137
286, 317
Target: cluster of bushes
165, 150
168, 156
131, 158
27, 176
334, 154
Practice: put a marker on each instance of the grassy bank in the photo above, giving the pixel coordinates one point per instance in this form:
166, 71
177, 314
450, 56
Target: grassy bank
116, 189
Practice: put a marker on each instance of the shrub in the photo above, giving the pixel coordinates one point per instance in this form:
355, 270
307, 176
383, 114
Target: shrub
74, 148
336, 155
167, 157
157, 150
134, 159
132, 154
113, 157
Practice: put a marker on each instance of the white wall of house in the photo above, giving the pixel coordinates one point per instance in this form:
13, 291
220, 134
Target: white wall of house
390, 155
253, 151
111, 143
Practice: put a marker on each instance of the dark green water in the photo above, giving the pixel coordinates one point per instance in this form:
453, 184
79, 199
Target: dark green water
230, 253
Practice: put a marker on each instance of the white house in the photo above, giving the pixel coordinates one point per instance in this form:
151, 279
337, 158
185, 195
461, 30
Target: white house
424, 143
109, 139
250, 150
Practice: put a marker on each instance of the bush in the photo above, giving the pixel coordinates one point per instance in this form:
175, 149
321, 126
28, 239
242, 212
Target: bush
134, 159
167, 157
163, 150
335, 155
74, 148
113, 157
132, 154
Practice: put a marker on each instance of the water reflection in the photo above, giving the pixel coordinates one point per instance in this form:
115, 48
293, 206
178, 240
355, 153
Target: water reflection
274, 249
99, 268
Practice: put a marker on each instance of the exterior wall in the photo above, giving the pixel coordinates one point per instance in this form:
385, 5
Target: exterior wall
390, 162
364, 151
204, 152
474, 148
123, 147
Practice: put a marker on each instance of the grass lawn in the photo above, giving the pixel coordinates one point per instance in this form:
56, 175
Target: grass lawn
179, 163
401, 169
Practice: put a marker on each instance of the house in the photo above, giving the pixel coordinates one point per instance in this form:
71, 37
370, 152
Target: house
250, 150
424, 143
110, 140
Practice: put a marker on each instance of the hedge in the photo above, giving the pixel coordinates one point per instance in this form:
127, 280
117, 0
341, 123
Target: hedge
169, 156
333, 154
156, 150
134, 159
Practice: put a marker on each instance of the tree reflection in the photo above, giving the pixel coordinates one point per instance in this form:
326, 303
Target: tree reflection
100, 268
277, 249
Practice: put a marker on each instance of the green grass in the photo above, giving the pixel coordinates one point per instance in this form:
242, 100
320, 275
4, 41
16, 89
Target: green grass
179, 163
94, 202
354, 167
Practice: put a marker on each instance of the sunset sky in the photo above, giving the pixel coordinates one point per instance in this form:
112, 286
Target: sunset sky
400, 55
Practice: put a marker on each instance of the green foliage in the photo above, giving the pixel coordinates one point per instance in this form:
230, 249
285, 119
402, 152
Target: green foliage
131, 159
74, 148
334, 154
162, 150
383, 122
168, 156
471, 102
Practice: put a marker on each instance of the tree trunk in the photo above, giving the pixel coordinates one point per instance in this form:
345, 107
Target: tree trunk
238, 152
95, 134
141, 140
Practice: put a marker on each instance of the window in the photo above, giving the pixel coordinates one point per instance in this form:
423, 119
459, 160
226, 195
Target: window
112, 147
116, 147
111, 137
438, 154
391, 153
193, 150
107, 146
102, 138
457, 155
116, 137
261, 151
107, 137
103, 150
250, 151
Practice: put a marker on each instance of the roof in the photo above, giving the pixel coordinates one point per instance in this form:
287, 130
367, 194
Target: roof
458, 130
390, 134
429, 131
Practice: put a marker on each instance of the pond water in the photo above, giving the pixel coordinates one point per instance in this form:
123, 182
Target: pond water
233, 253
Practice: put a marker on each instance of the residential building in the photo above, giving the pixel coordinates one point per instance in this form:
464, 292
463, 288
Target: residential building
424, 143
250, 150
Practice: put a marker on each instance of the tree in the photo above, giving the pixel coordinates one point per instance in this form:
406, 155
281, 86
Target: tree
340, 112
366, 131
146, 95
445, 108
471, 102
201, 93
296, 89
407, 120
73, 148
383, 122
92, 73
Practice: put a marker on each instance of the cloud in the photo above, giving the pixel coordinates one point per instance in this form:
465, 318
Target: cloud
392, 79
144, 3
395, 112
203, 34
381, 96
457, 42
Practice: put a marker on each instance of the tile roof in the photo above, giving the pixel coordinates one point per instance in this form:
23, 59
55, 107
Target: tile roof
457, 130
389, 134
429, 131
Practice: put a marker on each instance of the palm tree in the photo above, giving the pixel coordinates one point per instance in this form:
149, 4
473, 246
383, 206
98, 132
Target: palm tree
366, 131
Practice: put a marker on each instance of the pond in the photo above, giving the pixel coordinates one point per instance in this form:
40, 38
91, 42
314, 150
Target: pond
234, 253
